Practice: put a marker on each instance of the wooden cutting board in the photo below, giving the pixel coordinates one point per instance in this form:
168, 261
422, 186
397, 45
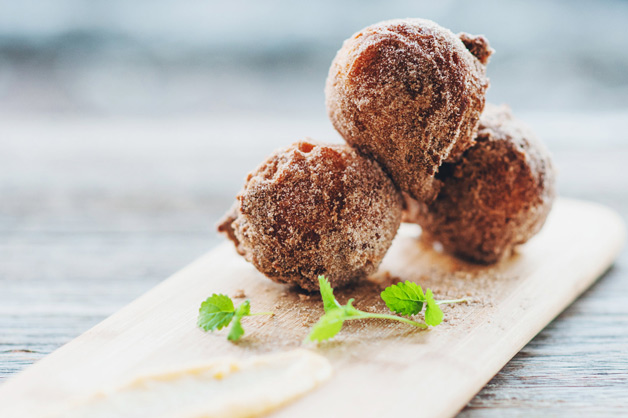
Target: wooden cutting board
380, 368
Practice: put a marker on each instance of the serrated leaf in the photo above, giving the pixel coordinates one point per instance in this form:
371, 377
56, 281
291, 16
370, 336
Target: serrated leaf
433, 313
327, 294
405, 298
331, 322
216, 312
236, 325
327, 326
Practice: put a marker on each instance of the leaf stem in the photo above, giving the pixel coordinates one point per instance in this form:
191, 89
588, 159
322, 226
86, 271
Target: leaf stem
444, 302
261, 313
390, 317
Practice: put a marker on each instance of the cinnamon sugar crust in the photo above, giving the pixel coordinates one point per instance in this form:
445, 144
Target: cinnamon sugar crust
496, 197
314, 209
409, 94
477, 45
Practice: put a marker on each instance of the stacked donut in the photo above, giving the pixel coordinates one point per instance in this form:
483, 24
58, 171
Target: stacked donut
408, 97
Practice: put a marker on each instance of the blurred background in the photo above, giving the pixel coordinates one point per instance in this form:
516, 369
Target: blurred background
165, 57
156, 103
127, 127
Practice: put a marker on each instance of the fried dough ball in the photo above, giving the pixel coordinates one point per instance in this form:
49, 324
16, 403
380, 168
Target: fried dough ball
314, 209
496, 197
409, 93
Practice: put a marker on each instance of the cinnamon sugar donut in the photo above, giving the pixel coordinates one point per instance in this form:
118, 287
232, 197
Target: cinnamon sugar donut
496, 197
313, 209
409, 93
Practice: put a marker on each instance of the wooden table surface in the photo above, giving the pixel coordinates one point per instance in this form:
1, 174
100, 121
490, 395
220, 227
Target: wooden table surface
94, 212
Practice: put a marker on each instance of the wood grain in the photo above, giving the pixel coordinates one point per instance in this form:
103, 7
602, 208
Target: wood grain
509, 304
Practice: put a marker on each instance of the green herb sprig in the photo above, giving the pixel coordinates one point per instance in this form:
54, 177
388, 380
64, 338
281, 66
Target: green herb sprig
405, 298
218, 311
336, 314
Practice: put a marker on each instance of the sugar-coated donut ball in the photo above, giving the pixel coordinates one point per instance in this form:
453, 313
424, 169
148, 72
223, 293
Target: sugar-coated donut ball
315, 209
496, 197
409, 93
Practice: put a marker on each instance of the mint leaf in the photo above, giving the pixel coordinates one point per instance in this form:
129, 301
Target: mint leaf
236, 326
336, 314
433, 313
404, 298
408, 299
327, 294
327, 326
216, 312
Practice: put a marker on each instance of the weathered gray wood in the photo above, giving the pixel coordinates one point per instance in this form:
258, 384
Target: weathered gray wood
94, 213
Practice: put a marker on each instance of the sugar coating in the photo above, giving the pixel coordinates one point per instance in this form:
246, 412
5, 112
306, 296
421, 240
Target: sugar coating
496, 197
409, 94
313, 209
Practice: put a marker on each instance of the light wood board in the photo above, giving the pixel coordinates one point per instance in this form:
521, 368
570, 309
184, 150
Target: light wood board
381, 368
